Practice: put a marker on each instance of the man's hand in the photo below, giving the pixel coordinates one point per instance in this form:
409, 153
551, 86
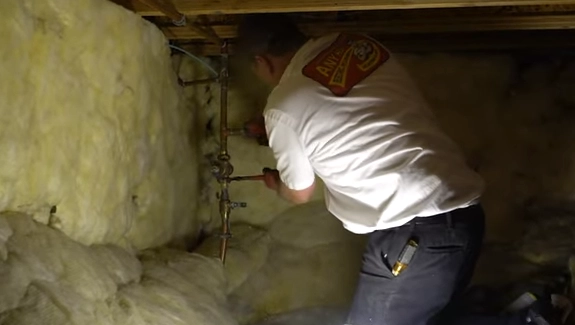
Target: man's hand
272, 178
256, 129
273, 182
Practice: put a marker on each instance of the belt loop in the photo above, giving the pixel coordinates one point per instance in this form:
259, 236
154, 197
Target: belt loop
449, 219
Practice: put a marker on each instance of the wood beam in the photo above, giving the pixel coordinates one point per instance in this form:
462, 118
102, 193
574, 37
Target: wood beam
217, 7
487, 41
404, 26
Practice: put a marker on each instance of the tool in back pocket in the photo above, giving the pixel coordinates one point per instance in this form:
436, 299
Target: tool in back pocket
405, 257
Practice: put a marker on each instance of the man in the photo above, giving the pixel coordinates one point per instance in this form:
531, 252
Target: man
343, 109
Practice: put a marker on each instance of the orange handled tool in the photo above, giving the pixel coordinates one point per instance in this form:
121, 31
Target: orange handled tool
248, 178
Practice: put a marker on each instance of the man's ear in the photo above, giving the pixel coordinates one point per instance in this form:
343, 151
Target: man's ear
263, 62
258, 59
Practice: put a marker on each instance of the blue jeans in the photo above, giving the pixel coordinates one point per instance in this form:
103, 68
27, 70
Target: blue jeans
426, 292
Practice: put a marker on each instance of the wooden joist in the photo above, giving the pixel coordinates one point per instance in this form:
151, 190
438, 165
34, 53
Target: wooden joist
216, 7
402, 26
523, 40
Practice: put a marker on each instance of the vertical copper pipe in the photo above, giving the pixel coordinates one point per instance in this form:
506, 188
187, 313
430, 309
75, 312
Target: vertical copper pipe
225, 208
224, 168
224, 101
224, 158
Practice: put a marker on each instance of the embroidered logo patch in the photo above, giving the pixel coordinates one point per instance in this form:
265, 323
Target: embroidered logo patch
346, 62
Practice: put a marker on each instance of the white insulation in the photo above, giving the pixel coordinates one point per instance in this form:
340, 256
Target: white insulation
49, 279
93, 124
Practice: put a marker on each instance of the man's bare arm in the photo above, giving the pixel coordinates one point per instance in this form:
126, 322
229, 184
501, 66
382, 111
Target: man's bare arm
273, 181
296, 196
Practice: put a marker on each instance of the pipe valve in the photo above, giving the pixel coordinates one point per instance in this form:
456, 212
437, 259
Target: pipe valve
234, 205
222, 168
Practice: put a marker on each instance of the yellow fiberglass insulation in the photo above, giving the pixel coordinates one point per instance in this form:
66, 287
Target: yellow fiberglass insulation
93, 127
49, 279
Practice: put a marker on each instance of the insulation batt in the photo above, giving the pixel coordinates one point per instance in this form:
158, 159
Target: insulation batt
93, 124
304, 259
49, 279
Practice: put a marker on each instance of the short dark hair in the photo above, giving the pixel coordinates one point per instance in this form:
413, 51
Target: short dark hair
273, 34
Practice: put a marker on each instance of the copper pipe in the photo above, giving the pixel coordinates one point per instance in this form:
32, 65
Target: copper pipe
224, 168
223, 157
235, 131
225, 209
224, 101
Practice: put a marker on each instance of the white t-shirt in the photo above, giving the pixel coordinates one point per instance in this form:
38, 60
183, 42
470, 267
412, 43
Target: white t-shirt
378, 149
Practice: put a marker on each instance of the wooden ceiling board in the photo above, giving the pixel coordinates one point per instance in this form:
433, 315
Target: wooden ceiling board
218, 7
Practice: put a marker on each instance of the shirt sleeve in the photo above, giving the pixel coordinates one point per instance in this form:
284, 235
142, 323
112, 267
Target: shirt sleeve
293, 164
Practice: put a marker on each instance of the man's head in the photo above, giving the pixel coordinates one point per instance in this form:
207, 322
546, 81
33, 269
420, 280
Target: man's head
269, 41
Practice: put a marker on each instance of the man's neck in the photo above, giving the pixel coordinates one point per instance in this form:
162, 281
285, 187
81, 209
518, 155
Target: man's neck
282, 62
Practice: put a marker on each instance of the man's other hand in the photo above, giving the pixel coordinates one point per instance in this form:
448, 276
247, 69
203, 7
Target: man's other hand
273, 181
256, 129
272, 178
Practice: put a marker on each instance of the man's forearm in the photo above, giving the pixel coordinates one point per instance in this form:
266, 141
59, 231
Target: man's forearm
274, 182
284, 192
293, 196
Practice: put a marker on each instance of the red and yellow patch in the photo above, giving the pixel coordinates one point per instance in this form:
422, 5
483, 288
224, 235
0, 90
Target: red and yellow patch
346, 62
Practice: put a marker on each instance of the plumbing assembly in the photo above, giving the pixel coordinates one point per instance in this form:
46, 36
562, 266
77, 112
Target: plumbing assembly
221, 169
